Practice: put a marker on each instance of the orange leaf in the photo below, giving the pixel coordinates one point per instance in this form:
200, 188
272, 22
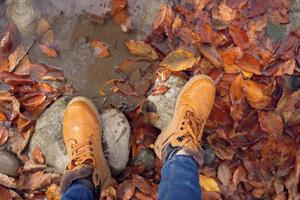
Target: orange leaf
100, 48
255, 94
206, 33
5, 193
271, 122
48, 51
236, 90
159, 90
239, 36
33, 101
250, 64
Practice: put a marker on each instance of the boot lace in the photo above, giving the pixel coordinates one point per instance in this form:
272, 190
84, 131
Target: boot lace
191, 125
82, 153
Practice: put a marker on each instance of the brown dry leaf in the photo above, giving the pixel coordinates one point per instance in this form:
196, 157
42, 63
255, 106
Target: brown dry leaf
255, 94
229, 57
8, 182
286, 68
24, 67
100, 48
159, 90
236, 90
3, 134
179, 60
5, 193
239, 37
165, 16
223, 13
23, 123
222, 149
250, 64
206, 33
36, 180
48, 51
37, 155
125, 190
188, 36
142, 49
53, 192
20, 140
4, 64
209, 184
119, 11
142, 184
33, 101
15, 57
238, 176
224, 173
211, 53
30, 166
271, 122
7, 42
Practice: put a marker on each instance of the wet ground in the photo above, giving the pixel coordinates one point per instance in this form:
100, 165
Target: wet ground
73, 28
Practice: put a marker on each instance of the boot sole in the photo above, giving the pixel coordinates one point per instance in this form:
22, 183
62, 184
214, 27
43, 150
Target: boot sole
159, 142
106, 180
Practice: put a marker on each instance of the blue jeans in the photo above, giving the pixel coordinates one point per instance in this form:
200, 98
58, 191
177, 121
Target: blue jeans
179, 180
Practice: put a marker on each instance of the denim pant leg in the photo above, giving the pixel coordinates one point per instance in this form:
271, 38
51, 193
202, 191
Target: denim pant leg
81, 190
179, 179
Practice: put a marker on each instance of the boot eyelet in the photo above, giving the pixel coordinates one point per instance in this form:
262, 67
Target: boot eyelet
180, 139
181, 128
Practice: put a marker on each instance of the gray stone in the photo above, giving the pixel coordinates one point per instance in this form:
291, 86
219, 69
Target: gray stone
9, 163
165, 104
116, 138
146, 158
48, 136
143, 13
295, 14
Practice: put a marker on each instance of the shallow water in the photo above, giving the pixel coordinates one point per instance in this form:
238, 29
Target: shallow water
73, 28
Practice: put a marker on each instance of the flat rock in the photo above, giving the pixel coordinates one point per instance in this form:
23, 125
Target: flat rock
48, 136
165, 104
9, 163
116, 139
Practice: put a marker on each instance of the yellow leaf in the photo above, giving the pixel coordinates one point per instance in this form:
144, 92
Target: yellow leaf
247, 74
179, 60
209, 184
52, 192
142, 49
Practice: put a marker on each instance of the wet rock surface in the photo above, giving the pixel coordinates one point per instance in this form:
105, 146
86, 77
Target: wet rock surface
9, 163
116, 139
165, 104
48, 136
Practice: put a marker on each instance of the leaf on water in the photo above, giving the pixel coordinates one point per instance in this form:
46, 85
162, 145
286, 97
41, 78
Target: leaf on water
179, 60
37, 155
276, 32
48, 51
159, 90
239, 37
142, 49
209, 184
100, 49
271, 122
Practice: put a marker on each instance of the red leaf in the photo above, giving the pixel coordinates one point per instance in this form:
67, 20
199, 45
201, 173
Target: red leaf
5, 193
159, 90
37, 155
3, 134
14, 80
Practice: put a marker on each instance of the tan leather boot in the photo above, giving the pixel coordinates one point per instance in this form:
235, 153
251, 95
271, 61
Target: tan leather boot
82, 137
193, 107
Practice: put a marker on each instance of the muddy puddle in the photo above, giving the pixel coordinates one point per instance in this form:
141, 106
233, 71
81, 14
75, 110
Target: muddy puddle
73, 28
